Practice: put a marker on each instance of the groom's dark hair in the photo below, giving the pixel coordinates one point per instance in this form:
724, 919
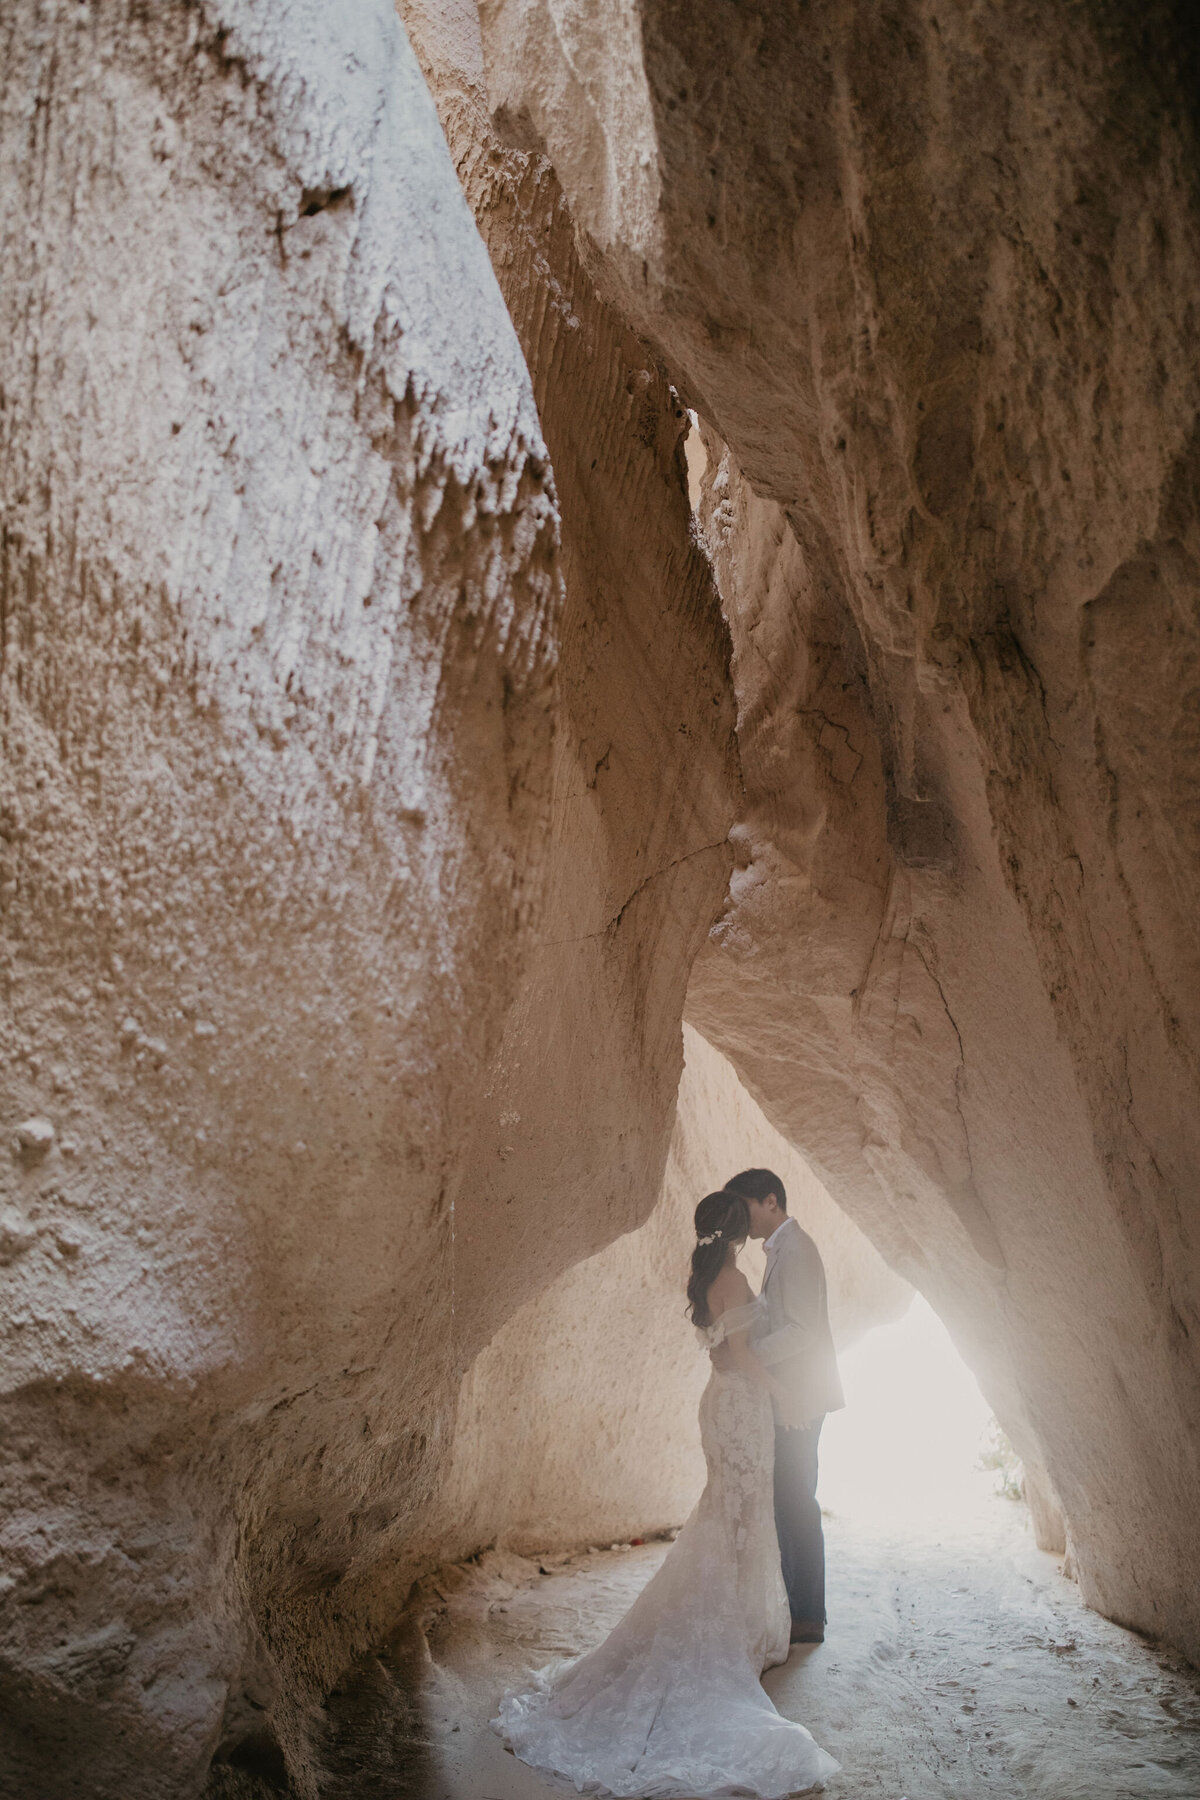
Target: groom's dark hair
756, 1184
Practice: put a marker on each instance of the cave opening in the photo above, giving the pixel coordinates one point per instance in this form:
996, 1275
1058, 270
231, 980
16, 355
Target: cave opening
917, 1449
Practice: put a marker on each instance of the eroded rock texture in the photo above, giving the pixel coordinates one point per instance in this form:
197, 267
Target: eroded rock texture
646, 776
341, 926
369, 766
930, 277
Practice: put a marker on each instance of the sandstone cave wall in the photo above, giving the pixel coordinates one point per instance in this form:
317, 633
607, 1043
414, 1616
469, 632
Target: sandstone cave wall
930, 280
646, 775
333, 882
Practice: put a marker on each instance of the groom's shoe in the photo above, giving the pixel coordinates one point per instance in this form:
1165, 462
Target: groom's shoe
808, 1631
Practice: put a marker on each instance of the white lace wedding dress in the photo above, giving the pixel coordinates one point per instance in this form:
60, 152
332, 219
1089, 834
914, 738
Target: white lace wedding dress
670, 1704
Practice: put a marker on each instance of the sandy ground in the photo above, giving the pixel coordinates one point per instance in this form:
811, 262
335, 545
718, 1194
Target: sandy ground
957, 1664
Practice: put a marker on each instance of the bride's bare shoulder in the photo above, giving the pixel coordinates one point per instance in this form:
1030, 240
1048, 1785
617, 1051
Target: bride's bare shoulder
729, 1289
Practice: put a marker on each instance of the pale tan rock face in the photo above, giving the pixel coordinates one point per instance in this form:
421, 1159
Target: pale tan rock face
930, 278
327, 898
279, 560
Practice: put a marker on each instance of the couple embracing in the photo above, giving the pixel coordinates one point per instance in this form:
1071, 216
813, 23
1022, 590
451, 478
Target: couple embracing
671, 1704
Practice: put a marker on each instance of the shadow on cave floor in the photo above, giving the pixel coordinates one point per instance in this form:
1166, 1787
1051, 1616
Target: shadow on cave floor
377, 1743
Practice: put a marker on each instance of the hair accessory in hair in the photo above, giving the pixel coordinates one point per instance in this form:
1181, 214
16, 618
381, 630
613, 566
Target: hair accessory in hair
711, 1238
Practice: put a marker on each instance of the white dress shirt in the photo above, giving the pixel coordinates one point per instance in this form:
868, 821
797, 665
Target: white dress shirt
771, 1242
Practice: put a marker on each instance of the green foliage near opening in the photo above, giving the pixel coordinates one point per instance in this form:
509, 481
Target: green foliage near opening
996, 1452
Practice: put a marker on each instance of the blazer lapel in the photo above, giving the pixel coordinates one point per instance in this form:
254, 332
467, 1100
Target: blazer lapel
772, 1259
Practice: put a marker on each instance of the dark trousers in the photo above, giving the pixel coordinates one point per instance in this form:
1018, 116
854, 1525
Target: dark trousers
798, 1521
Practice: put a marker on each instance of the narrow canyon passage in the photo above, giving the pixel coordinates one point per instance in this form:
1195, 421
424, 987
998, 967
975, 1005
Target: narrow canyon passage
960, 1660
591, 596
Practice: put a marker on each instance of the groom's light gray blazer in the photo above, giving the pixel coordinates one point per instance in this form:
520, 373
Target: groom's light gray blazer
798, 1346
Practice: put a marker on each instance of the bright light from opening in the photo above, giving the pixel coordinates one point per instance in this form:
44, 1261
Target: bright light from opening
905, 1451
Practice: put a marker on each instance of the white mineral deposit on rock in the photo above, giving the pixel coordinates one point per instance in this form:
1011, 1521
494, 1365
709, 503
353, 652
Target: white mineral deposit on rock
34, 1136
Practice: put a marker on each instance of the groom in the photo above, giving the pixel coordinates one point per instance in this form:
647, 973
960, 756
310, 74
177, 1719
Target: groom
798, 1350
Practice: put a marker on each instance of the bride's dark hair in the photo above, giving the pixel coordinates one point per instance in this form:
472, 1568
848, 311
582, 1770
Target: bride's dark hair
723, 1219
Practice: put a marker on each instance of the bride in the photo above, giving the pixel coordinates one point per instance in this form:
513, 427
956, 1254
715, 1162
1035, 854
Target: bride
671, 1703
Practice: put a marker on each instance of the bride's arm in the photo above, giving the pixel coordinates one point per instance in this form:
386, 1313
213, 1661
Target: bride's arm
743, 1359
728, 1293
735, 1293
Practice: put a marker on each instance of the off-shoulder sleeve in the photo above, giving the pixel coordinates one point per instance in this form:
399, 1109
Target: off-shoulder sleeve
736, 1318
